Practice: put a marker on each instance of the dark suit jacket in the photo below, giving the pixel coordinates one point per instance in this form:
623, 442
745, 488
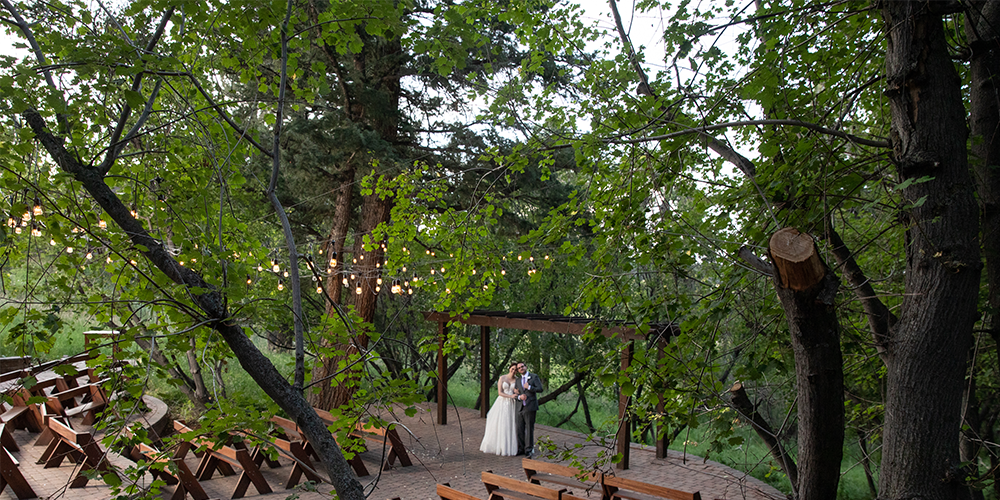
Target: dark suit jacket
532, 390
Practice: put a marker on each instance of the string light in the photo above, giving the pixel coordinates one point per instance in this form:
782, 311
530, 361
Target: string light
108, 259
260, 268
378, 281
181, 263
90, 255
275, 267
249, 280
134, 212
345, 281
101, 224
35, 231
286, 274
319, 289
362, 257
281, 285
52, 243
17, 230
357, 290
69, 249
37, 209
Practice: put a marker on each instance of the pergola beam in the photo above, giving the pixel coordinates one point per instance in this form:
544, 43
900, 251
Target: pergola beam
572, 326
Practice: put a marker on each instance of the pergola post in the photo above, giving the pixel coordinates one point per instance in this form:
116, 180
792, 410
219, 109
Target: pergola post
661, 426
442, 394
484, 370
624, 424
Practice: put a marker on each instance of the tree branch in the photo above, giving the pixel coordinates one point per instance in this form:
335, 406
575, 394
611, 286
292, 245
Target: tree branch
880, 318
109, 159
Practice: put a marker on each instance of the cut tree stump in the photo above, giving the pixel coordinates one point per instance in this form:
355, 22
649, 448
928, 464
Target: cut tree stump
795, 258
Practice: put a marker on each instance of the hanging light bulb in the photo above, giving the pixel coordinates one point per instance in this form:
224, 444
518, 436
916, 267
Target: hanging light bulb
26, 216
17, 230
378, 281
249, 280
404, 269
362, 257
52, 243
345, 281
503, 272
134, 212
281, 285
333, 262
286, 274
409, 291
35, 231
378, 289
354, 261
275, 267
432, 271
90, 255
260, 268
473, 271
357, 290
108, 259
101, 224
181, 263
395, 287
11, 222
69, 249
37, 209
353, 277
319, 289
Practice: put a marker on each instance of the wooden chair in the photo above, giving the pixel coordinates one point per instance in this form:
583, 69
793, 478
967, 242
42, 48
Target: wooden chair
630, 489
80, 446
446, 492
538, 471
10, 474
222, 458
500, 487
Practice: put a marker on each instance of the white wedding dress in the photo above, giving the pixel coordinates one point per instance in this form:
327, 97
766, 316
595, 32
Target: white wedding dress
501, 434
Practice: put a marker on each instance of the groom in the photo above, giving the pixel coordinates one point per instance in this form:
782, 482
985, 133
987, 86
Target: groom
528, 386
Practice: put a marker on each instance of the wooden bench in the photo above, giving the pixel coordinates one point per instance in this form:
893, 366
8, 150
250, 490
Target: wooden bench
501, 487
288, 439
20, 416
577, 482
81, 446
164, 464
382, 436
446, 492
356, 463
630, 489
10, 475
93, 401
223, 457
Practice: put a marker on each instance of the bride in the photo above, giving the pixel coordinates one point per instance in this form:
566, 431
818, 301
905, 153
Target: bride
501, 436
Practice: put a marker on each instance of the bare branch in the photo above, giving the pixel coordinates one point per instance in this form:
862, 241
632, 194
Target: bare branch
109, 159
756, 263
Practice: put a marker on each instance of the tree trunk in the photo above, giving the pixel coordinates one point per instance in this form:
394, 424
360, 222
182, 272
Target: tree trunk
806, 289
983, 33
926, 354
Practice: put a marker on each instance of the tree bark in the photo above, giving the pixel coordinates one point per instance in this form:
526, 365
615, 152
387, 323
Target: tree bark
926, 355
748, 411
983, 32
806, 289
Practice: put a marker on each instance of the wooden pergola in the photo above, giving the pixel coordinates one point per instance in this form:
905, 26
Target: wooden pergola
552, 324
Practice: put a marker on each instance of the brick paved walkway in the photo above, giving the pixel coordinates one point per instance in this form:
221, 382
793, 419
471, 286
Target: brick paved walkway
443, 454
